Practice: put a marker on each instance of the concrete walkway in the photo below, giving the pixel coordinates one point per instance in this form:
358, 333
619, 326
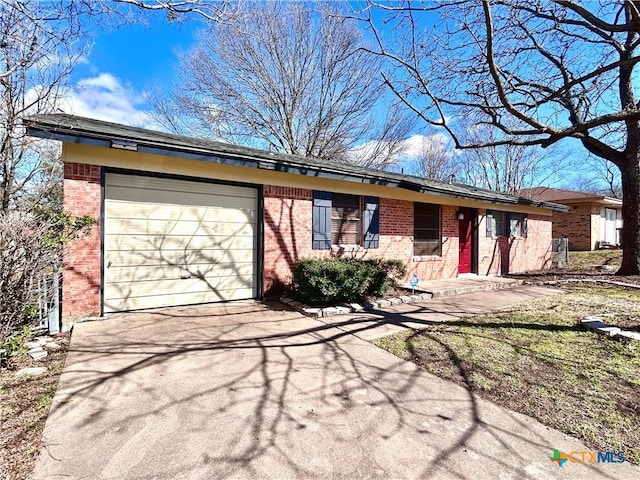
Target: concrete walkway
260, 392
464, 284
376, 324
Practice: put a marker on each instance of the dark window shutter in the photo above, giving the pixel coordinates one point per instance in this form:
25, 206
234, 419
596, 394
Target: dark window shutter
371, 222
525, 226
498, 224
491, 224
321, 221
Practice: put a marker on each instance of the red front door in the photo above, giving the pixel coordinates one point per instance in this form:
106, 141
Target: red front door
465, 245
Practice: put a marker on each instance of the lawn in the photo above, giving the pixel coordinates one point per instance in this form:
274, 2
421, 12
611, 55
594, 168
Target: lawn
537, 360
596, 258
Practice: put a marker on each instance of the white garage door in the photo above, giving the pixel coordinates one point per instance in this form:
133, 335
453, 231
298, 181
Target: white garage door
174, 242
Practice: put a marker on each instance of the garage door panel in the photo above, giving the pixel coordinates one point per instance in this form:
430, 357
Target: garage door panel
182, 286
174, 299
167, 243
164, 212
231, 223
178, 257
124, 274
114, 180
174, 242
182, 199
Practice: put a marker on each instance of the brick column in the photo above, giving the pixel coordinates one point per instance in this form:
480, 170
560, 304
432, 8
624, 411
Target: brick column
81, 278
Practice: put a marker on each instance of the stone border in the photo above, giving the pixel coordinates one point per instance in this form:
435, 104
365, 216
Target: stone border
597, 324
39, 347
353, 307
594, 322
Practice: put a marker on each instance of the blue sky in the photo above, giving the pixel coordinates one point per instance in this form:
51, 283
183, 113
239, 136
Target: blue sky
128, 61
125, 63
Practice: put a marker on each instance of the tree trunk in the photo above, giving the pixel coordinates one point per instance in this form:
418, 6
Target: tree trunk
630, 173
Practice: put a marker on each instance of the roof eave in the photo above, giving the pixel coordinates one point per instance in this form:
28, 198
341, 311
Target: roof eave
591, 200
55, 131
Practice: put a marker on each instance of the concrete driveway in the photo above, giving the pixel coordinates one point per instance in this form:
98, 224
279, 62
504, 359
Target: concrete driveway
254, 391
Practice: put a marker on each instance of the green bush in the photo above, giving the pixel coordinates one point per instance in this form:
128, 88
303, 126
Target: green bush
388, 272
13, 346
336, 280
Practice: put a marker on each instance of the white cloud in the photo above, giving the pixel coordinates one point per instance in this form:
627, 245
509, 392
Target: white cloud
105, 97
410, 149
414, 144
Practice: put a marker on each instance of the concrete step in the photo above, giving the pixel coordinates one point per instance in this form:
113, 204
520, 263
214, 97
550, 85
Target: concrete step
465, 284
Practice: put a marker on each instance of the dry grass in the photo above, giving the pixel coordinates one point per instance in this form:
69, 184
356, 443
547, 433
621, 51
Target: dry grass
24, 404
597, 258
536, 359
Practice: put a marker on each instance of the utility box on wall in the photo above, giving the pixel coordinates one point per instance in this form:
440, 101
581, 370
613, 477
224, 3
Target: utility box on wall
560, 248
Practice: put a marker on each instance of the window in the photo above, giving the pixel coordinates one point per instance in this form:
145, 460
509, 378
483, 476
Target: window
345, 219
426, 229
502, 224
495, 223
340, 219
517, 225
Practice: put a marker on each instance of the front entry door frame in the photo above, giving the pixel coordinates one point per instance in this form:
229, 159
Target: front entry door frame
610, 226
468, 240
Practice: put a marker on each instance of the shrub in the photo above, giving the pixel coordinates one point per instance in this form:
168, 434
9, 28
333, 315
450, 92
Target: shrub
388, 273
14, 345
335, 280
29, 247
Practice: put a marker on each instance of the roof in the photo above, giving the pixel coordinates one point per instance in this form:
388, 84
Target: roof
70, 128
560, 195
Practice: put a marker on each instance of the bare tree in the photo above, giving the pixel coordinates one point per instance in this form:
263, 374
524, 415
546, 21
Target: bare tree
508, 167
30, 245
296, 83
38, 49
214, 10
435, 159
600, 177
537, 71
610, 175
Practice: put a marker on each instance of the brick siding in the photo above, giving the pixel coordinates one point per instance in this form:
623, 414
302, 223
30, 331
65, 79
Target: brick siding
287, 234
288, 237
500, 255
581, 225
81, 276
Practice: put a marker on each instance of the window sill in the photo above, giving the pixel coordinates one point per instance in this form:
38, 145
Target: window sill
508, 238
426, 258
345, 248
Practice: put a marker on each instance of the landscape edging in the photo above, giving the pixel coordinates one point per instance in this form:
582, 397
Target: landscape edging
318, 312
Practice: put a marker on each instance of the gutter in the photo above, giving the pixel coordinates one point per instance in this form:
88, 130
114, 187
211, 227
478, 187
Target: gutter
38, 127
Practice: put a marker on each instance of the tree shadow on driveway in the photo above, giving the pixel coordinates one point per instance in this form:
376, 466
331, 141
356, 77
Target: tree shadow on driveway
267, 393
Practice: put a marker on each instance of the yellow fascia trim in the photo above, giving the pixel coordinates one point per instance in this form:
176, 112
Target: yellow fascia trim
145, 162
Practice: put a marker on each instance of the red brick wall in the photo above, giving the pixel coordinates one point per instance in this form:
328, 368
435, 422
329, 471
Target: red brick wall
81, 277
288, 233
396, 241
501, 255
288, 236
581, 225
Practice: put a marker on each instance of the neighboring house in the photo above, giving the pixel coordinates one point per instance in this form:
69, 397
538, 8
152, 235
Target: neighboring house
185, 221
592, 222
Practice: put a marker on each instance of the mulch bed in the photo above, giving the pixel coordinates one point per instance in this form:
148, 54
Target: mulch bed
24, 407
